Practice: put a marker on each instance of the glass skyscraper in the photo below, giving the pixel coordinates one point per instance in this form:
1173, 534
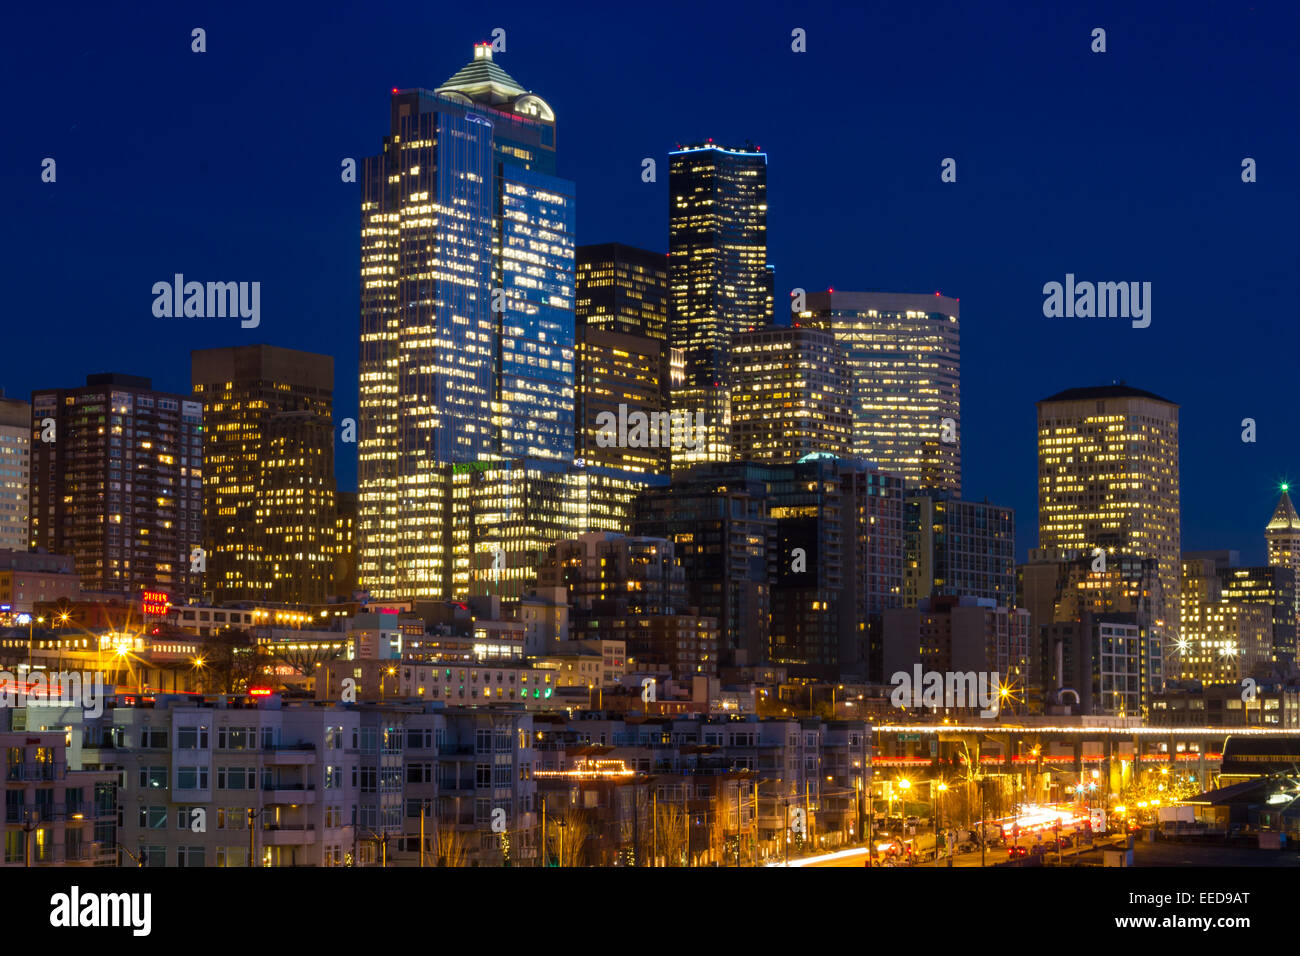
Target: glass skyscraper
466, 312
718, 279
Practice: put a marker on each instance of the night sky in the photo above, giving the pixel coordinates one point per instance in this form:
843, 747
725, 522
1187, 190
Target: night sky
1122, 166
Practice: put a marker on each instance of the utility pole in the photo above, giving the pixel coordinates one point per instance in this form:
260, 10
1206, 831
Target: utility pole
654, 827
423, 808
544, 855
787, 831
252, 835
984, 830
737, 823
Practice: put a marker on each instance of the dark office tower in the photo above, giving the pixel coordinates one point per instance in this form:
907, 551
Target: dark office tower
905, 354
268, 460
716, 517
790, 395
623, 289
617, 375
345, 544
117, 480
839, 525
718, 279
466, 312
959, 549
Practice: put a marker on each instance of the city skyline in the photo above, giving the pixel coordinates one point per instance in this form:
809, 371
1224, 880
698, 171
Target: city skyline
1005, 327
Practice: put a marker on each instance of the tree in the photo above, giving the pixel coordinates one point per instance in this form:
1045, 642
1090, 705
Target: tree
452, 848
234, 661
671, 835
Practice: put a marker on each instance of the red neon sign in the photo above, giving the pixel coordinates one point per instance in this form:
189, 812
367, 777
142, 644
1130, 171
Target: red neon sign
155, 602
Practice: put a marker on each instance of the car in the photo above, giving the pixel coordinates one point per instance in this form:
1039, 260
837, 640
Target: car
1016, 852
1067, 841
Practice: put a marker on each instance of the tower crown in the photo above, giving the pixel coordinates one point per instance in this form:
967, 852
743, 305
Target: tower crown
1284, 517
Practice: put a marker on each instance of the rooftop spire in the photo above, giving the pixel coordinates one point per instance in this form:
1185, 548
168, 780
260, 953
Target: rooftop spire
1285, 517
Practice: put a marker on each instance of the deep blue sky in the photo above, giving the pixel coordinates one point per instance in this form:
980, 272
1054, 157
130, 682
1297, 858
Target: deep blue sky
1117, 166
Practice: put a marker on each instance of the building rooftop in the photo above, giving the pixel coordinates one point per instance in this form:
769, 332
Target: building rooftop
1284, 516
481, 78
1104, 391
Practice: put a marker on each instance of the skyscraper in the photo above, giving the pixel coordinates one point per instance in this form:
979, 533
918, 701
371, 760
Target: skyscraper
1283, 538
619, 369
15, 471
118, 484
790, 395
719, 283
466, 312
716, 516
268, 460
905, 354
839, 566
1108, 480
623, 289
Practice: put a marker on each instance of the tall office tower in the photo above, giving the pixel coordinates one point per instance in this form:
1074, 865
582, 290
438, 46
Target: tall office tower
15, 471
959, 549
905, 354
839, 566
1283, 538
622, 289
621, 378
1108, 479
718, 279
268, 465
466, 312
716, 516
1221, 641
118, 486
790, 395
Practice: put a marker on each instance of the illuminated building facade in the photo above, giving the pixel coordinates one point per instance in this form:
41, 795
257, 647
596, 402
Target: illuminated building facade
507, 515
119, 488
718, 279
904, 351
466, 312
959, 549
1108, 479
268, 458
622, 289
790, 395
614, 369
1220, 641
1283, 538
15, 472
